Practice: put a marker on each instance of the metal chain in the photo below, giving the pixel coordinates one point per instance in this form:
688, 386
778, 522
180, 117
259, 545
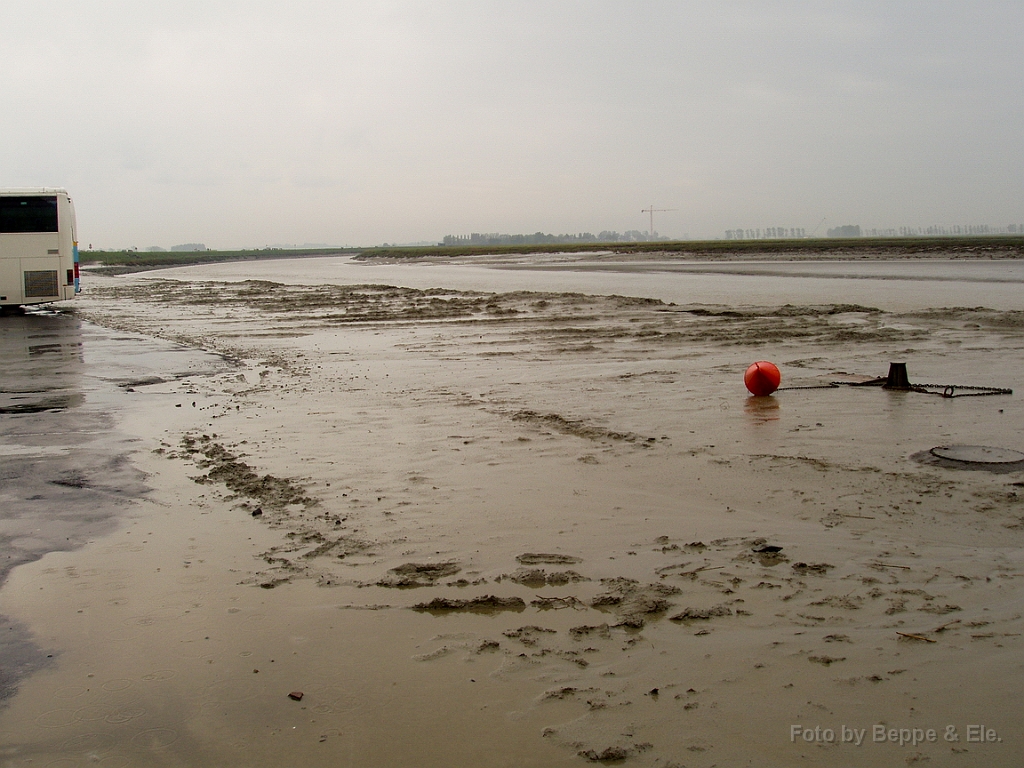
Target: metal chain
948, 390
986, 390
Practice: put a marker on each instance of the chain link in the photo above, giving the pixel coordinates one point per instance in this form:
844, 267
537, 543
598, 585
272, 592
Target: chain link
948, 390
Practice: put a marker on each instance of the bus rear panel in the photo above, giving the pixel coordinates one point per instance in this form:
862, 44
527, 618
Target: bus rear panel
38, 247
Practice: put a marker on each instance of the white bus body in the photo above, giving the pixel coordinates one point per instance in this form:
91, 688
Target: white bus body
38, 247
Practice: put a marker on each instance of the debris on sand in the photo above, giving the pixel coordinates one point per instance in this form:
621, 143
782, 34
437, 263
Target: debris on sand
273, 582
632, 601
912, 636
609, 755
527, 635
768, 555
531, 558
225, 467
601, 630
485, 604
554, 603
825, 660
563, 693
411, 575
768, 558
939, 609
818, 569
578, 428
845, 602
538, 577
701, 614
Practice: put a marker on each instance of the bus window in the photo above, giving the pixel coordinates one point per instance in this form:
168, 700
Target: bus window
28, 214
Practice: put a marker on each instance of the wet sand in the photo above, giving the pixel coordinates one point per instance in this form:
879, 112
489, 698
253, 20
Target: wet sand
65, 470
537, 529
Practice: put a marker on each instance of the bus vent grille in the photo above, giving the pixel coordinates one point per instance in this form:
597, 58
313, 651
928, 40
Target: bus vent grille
40, 284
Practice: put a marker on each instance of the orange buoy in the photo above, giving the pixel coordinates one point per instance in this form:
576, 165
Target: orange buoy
762, 378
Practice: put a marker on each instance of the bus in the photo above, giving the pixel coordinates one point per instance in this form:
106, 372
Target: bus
38, 247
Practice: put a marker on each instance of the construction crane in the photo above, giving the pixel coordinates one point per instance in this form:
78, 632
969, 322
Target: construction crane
652, 211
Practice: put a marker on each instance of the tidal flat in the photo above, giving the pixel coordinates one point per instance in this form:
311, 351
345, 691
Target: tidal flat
435, 526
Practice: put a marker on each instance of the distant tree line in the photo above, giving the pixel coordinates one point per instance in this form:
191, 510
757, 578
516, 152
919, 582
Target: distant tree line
769, 233
185, 247
855, 230
541, 238
947, 231
846, 230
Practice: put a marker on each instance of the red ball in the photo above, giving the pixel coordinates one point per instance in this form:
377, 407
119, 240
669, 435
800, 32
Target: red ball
762, 378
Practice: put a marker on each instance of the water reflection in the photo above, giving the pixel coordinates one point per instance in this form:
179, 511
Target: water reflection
41, 480
42, 363
761, 410
65, 469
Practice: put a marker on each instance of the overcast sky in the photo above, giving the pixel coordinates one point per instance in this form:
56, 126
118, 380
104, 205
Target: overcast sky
250, 123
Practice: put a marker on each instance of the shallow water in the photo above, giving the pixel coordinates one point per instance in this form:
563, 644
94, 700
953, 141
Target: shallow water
904, 285
65, 473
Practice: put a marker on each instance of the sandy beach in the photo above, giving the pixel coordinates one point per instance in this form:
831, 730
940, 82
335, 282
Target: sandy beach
438, 527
